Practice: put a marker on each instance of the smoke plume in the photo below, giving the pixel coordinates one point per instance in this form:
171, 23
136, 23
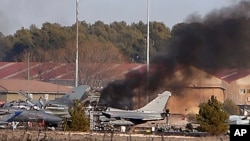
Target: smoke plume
219, 40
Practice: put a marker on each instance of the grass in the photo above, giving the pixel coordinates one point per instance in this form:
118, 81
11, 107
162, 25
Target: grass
24, 135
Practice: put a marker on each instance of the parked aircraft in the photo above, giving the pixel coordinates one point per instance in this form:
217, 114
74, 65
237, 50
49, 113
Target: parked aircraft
59, 106
237, 119
22, 115
240, 119
48, 112
154, 110
12, 117
39, 117
67, 100
78, 93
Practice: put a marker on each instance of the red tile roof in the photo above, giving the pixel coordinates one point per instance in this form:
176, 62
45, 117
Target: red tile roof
59, 71
33, 86
41, 71
229, 75
66, 71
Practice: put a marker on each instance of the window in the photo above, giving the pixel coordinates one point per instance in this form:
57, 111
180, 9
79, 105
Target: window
46, 97
248, 99
31, 96
242, 91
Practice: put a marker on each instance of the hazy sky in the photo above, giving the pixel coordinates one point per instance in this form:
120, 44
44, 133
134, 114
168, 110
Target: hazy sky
15, 14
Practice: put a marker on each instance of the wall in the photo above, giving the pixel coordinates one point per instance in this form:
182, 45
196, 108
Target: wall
239, 91
189, 101
14, 96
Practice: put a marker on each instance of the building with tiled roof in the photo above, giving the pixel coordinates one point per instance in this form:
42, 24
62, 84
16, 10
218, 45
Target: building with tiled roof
10, 89
54, 79
223, 83
201, 86
63, 73
237, 84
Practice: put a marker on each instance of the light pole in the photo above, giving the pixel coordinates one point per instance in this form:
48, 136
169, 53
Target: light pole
76, 71
147, 36
147, 49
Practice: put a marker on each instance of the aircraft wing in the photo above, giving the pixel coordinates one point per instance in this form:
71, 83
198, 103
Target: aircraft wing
133, 115
36, 116
121, 122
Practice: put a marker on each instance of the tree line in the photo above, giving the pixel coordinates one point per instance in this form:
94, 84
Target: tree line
202, 44
99, 42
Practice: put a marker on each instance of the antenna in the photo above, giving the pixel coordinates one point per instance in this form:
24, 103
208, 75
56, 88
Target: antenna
76, 73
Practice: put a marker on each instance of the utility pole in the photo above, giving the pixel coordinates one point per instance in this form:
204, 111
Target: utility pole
76, 71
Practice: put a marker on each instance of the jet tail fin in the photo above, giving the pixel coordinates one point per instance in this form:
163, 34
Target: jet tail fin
76, 93
158, 104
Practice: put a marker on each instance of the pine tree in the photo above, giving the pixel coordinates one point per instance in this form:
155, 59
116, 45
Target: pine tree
78, 120
212, 118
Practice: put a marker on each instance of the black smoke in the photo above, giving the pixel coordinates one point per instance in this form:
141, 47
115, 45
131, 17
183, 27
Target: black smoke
220, 40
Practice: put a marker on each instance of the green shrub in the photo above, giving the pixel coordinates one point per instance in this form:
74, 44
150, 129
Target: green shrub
212, 118
78, 120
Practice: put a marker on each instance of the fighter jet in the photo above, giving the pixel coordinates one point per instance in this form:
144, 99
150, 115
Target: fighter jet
68, 99
8, 115
154, 110
59, 106
37, 116
77, 93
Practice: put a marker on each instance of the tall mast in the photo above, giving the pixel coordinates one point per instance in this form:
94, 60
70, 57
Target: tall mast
28, 72
147, 49
147, 36
76, 73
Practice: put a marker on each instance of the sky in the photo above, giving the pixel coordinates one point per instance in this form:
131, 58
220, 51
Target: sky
17, 14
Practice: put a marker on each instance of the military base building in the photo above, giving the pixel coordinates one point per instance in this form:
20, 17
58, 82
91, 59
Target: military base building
51, 80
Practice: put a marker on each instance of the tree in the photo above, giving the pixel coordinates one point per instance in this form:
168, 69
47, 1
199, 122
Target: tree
3, 46
212, 118
78, 121
96, 56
